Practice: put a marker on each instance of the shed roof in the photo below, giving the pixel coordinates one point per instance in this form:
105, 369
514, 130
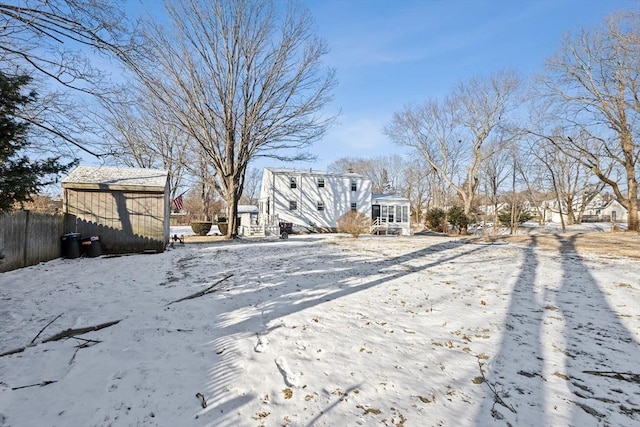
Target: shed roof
116, 178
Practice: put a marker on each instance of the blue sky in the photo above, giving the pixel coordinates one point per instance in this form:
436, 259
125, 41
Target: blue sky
390, 53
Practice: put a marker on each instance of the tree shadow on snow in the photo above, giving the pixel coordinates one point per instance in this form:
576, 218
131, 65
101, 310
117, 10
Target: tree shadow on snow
598, 350
285, 285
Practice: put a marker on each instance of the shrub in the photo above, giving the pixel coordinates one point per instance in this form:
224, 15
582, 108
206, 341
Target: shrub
436, 220
354, 223
457, 218
201, 228
521, 215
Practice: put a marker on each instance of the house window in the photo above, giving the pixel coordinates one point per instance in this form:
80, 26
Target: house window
293, 205
293, 182
354, 185
383, 215
320, 182
405, 214
391, 212
354, 207
398, 213
320, 206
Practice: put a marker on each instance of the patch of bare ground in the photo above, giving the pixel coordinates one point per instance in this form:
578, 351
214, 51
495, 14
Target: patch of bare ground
624, 244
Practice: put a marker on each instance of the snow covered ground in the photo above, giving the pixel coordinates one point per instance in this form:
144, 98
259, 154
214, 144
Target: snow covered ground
325, 330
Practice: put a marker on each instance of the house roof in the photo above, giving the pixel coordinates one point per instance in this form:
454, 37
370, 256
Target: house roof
314, 172
388, 198
116, 178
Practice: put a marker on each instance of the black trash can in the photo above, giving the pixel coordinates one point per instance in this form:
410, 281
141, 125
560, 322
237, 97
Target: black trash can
91, 246
70, 245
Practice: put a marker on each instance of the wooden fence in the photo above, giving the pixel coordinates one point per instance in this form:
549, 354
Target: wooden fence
27, 238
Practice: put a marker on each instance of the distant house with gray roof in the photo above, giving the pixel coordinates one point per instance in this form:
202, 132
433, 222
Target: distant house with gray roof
128, 208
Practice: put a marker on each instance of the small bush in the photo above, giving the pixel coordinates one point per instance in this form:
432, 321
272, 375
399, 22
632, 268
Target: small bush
457, 218
201, 228
521, 215
354, 223
436, 220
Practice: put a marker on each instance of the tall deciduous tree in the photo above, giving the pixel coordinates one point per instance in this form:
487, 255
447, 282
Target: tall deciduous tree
594, 82
48, 40
19, 176
242, 79
450, 134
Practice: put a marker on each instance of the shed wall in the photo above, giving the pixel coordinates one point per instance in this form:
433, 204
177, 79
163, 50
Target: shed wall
125, 221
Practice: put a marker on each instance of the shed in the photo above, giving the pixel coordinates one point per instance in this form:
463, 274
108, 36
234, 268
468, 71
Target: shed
128, 208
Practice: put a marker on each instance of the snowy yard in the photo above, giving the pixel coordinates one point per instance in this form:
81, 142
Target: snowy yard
325, 331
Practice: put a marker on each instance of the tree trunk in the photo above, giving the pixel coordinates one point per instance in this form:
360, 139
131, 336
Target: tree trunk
632, 207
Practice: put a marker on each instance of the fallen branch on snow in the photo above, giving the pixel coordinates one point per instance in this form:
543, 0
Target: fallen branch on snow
14, 351
209, 290
21, 349
42, 384
45, 327
68, 333
492, 387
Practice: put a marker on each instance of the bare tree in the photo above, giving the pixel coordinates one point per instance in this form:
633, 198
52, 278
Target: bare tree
242, 81
494, 173
47, 39
385, 172
418, 179
141, 134
252, 183
450, 134
594, 82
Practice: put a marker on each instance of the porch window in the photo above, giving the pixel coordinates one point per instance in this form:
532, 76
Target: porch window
405, 214
354, 207
354, 185
383, 214
320, 205
320, 182
293, 182
391, 212
293, 205
398, 213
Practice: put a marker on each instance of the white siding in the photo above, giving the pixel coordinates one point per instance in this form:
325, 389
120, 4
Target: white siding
336, 195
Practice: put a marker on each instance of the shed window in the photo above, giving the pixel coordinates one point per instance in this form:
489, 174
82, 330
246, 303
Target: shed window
320, 205
320, 182
354, 185
293, 205
293, 182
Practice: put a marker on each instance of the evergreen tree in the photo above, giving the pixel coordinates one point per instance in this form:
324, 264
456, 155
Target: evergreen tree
20, 177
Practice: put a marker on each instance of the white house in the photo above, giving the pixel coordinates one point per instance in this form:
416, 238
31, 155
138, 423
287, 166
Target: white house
317, 199
311, 199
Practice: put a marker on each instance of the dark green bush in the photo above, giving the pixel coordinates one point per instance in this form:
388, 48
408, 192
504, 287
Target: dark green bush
457, 218
435, 220
521, 215
201, 228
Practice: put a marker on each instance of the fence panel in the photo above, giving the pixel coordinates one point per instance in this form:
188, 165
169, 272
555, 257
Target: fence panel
27, 238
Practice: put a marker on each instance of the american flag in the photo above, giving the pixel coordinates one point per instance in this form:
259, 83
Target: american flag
177, 202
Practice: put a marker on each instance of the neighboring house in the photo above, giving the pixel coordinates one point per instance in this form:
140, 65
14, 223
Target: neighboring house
127, 208
311, 199
605, 211
390, 214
